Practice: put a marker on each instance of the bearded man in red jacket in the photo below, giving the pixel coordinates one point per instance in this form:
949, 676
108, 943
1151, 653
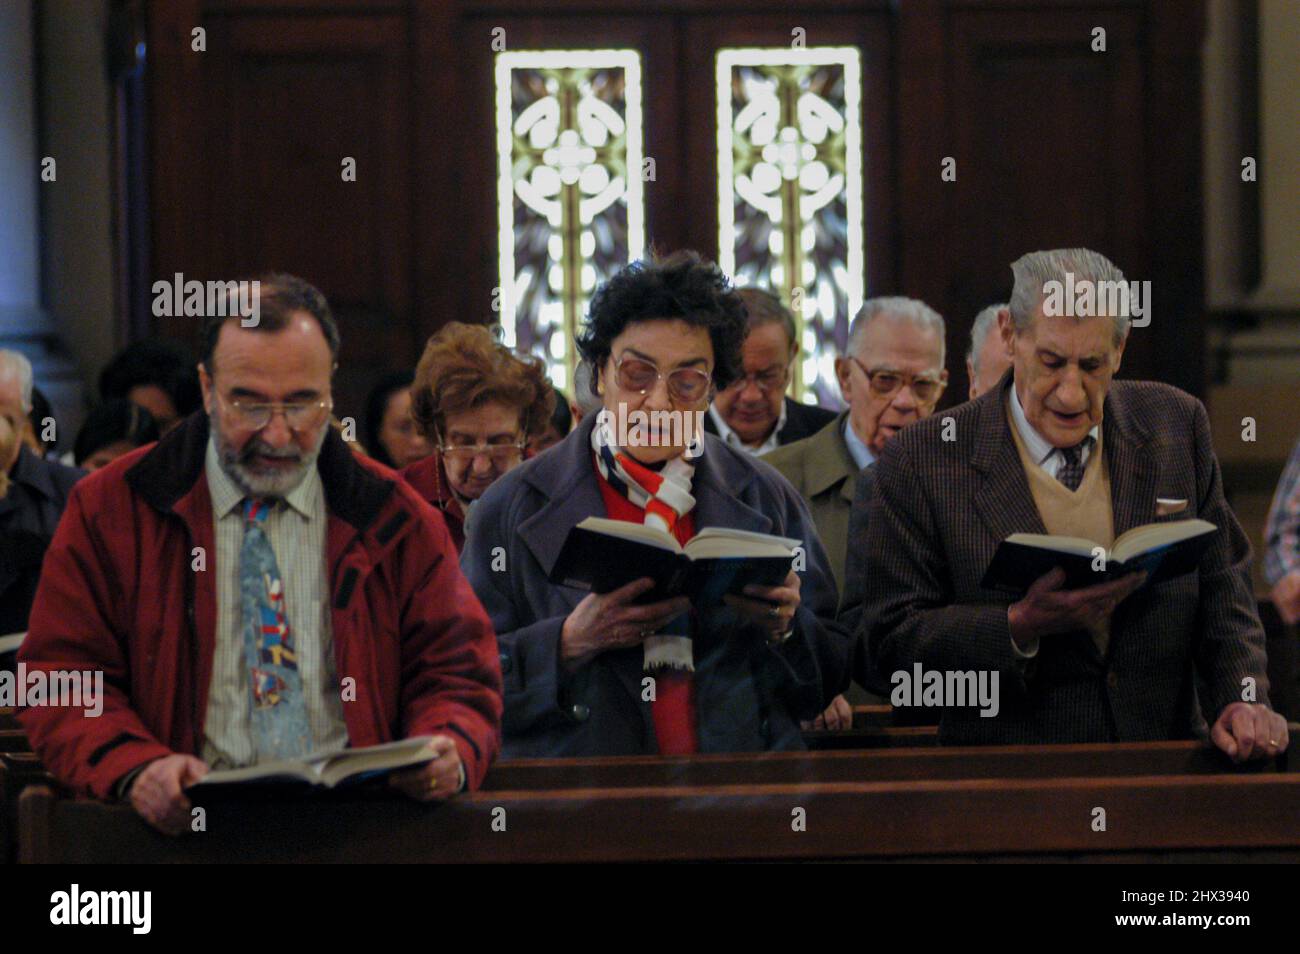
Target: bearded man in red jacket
253, 590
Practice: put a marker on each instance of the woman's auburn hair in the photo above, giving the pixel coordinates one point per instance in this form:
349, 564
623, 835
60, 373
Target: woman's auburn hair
463, 367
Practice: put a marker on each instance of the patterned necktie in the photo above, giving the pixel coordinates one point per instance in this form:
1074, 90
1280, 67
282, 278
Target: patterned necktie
1070, 472
279, 708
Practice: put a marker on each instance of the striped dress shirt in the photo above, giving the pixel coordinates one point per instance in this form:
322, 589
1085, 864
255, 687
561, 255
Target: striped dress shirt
296, 531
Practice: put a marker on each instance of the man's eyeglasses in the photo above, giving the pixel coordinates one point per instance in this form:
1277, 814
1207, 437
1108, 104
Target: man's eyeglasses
886, 383
687, 385
499, 454
772, 379
298, 416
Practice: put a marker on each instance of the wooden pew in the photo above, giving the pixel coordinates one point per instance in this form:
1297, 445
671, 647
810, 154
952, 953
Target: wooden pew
868, 717
17, 771
1032, 805
873, 737
8, 718
14, 740
774, 768
1226, 817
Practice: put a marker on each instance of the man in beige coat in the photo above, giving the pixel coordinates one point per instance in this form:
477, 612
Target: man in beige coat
892, 375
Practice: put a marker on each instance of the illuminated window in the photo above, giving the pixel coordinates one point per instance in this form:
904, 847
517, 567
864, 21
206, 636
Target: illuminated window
790, 192
569, 190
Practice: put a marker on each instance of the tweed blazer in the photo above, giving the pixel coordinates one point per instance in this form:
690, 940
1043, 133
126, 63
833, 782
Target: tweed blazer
938, 511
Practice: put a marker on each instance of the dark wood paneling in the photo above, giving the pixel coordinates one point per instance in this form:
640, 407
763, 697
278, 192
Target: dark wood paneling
1048, 141
1055, 145
273, 106
1173, 223
290, 98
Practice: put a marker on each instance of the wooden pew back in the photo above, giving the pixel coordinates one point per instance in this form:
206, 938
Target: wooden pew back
1022, 802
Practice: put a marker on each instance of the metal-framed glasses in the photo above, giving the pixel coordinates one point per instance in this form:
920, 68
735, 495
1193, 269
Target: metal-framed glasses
298, 415
767, 381
500, 454
886, 383
687, 385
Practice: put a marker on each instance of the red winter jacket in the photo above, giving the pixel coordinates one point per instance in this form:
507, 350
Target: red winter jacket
118, 593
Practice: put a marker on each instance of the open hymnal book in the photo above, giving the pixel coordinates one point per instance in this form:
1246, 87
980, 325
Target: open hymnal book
602, 554
326, 769
1163, 550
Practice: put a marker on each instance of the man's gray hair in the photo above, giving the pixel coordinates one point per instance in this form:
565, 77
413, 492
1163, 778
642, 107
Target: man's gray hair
16, 363
985, 321
911, 310
1032, 272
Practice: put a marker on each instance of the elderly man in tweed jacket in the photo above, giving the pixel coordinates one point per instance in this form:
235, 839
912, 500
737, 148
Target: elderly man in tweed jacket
1058, 447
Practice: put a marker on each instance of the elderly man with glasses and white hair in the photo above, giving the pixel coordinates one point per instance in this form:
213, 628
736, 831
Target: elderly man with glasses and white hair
891, 375
36, 494
1059, 447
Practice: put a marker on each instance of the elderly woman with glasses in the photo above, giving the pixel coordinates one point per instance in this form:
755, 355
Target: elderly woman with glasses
477, 402
612, 674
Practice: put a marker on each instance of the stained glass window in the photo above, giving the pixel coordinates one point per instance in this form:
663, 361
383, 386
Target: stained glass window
790, 192
569, 190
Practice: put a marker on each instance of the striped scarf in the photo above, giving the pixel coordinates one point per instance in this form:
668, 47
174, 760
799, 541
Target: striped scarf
664, 495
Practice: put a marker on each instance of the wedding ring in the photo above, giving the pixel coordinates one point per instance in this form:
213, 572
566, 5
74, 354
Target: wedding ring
1272, 741
433, 784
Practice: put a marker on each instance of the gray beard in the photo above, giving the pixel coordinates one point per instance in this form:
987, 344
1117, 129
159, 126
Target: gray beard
263, 485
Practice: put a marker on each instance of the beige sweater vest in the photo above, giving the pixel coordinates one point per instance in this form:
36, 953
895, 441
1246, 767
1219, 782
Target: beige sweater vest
1085, 512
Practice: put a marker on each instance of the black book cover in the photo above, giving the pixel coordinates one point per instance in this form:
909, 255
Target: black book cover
1015, 566
601, 563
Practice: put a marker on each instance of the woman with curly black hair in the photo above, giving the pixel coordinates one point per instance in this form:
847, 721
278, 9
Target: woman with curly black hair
592, 674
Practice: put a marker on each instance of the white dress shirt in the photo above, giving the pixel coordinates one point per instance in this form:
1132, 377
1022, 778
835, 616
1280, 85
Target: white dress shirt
733, 439
1040, 448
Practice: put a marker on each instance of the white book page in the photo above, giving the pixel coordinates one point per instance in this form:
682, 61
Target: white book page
1043, 541
726, 533
638, 532
1140, 539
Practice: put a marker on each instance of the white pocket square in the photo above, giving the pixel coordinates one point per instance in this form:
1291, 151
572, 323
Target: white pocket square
1167, 505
